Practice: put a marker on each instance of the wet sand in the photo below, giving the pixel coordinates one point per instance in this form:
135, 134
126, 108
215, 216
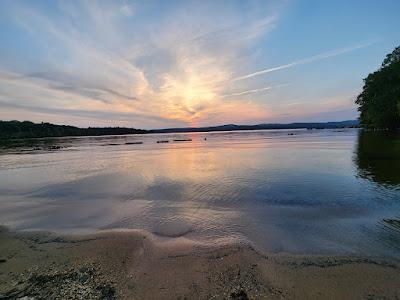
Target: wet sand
131, 265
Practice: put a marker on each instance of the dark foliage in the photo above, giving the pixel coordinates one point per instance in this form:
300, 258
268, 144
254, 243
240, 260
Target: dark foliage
379, 102
26, 129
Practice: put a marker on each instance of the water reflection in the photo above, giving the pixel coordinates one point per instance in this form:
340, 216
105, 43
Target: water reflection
378, 156
295, 193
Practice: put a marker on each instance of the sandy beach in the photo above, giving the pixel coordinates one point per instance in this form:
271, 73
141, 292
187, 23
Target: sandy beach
131, 265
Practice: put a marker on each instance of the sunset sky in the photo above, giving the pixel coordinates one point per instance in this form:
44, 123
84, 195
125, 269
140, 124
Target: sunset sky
157, 64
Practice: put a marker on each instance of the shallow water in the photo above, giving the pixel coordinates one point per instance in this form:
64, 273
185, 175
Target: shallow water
296, 191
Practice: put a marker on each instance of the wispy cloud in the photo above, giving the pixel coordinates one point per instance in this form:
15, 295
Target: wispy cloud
252, 91
248, 92
105, 57
95, 114
149, 64
332, 53
66, 83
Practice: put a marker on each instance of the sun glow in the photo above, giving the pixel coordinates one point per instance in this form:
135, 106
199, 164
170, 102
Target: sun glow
188, 98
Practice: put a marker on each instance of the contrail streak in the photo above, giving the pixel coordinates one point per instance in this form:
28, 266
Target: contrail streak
254, 90
317, 57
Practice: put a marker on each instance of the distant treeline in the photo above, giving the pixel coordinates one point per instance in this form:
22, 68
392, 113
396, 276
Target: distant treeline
26, 129
232, 127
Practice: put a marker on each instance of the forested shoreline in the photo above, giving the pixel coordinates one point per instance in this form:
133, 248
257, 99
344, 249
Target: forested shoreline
27, 129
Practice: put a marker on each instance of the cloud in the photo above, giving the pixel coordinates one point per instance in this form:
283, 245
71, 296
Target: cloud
102, 115
127, 10
258, 90
304, 61
248, 92
66, 83
147, 64
95, 57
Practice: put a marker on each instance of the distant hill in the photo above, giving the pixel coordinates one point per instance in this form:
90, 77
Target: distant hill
231, 127
26, 129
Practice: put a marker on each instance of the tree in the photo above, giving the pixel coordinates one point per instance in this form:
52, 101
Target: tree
379, 102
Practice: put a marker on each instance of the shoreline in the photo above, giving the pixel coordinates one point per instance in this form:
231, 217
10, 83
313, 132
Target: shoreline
10, 127
131, 265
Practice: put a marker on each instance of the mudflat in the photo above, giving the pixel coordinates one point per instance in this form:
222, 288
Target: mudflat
132, 265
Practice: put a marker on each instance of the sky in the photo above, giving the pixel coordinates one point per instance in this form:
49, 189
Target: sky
158, 64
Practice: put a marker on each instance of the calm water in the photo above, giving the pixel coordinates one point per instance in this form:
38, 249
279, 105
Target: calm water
297, 191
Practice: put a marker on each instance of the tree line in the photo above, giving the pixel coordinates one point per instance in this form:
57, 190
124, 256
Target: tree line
26, 129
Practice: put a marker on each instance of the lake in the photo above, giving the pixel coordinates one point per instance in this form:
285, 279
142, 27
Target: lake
292, 191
